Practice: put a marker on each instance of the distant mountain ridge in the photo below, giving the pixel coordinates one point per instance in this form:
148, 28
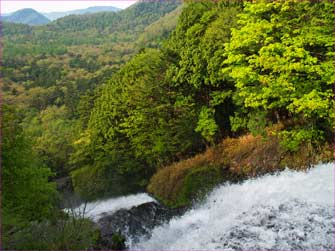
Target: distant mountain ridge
32, 17
26, 16
94, 9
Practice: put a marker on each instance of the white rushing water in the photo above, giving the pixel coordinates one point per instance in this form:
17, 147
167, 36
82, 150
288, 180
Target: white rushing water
288, 211
96, 210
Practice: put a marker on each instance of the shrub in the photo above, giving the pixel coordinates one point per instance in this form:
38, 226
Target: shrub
179, 184
92, 182
232, 160
88, 181
64, 234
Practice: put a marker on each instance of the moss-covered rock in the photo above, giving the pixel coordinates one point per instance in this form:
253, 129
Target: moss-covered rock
197, 183
188, 180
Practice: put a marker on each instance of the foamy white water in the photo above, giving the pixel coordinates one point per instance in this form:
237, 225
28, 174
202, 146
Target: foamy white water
289, 211
96, 210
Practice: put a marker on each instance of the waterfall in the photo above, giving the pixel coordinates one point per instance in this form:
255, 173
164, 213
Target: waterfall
97, 209
288, 211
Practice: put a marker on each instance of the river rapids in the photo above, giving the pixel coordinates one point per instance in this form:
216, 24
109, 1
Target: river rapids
288, 211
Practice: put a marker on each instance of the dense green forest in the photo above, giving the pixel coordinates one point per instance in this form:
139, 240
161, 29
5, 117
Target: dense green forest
50, 77
53, 72
158, 95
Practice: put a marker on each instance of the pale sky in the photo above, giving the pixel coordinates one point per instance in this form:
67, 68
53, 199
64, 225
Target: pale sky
8, 6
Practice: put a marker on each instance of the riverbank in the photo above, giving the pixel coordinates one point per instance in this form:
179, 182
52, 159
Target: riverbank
292, 210
289, 211
233, 160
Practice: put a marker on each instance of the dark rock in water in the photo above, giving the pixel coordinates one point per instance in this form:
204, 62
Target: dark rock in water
135, 222
64, 184
68, 199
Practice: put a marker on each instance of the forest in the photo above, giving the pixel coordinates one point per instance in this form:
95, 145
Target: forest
168, 97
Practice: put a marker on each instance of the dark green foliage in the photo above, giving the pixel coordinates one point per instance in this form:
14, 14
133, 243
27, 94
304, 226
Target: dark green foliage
138, 123
64, 234
27, 194
88, 181
156, 33
53, 132
30, 217
133, 18
12, 29
55, 84
54, 87
244, 68
95, 103
198, 43
154, 109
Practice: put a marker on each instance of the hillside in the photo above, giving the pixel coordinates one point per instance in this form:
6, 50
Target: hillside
157, 32
97, 28
94, 9
26, 16
174, 99
62, 64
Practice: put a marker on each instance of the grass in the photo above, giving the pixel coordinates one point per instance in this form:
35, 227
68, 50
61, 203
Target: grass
232, 160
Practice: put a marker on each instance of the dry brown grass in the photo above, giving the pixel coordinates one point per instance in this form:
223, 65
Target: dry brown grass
250, 155
246, 156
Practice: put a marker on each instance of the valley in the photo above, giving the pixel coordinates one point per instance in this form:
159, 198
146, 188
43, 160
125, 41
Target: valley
193, 125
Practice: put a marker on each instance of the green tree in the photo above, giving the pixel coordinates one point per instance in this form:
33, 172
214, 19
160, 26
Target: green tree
281, 58
198, 43
138, 123
56, 133
206, 124
27, 194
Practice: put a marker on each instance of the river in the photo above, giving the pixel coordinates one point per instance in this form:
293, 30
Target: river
288, 211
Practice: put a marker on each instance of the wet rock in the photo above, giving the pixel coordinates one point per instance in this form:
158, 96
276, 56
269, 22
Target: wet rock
64, 184
135, 222
68, 198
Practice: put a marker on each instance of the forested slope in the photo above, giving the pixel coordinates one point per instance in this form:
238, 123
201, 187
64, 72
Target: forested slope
230, 69
121, 103
53, 72
50, 77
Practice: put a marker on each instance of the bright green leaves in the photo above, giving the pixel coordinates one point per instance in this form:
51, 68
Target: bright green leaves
206, 124
314, 104
219, 97
291, 140
280, 58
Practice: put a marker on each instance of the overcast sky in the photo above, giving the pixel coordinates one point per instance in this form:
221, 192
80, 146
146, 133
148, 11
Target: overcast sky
8, 6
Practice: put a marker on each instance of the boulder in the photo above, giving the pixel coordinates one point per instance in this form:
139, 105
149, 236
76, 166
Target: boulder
135, 222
